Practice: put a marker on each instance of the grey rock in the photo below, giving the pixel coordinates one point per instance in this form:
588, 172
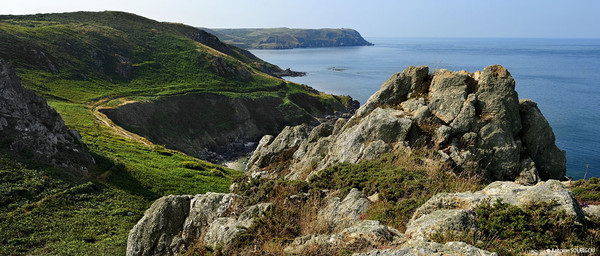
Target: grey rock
367, 234
153, 234
339, 214
174, 223
413, 104
499, 151
592, 211
466, 119
206, 208
338, 125
477, 113
498, 99
223, 231
382, 124
396, 89
280, 148
442, 135
528, 174
539, 142
375, 149
421, 114
440, 221
32, 126
448, 91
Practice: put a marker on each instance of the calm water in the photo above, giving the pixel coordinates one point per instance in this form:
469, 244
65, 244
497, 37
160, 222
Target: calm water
561, 75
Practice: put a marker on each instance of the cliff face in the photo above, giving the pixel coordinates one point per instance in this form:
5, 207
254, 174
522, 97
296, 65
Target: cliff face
474, 121
30, 128
216, 127
286, 38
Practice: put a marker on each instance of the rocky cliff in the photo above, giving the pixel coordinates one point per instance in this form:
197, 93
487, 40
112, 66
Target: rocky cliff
217, 127
31, 129
474, 121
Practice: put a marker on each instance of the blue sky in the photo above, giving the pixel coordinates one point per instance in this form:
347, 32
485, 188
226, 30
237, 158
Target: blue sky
375, 18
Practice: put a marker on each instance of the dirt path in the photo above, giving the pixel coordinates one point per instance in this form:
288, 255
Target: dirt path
118, 129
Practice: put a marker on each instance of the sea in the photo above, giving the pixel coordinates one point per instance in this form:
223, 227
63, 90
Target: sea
561, 75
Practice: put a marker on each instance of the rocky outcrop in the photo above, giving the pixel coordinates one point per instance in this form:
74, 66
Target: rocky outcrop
30, 128
174, 223
454, 212
364, 235
339, 214
153, 234
474, 120
443, 213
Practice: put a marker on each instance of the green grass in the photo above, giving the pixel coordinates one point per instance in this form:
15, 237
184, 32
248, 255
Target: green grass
47, 211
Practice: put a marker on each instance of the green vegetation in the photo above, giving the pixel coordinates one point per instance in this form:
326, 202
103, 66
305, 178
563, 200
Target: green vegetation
45, 210
285, 38
587, 191
510, 230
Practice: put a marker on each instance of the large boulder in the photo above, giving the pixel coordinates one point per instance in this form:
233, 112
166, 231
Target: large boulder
175, 223
538, 141
339, 214
153, 234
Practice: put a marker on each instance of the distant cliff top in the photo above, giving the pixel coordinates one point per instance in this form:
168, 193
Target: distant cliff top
287, 38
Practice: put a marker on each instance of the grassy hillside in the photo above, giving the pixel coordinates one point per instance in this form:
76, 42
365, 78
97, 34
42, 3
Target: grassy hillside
81, 62
286, 38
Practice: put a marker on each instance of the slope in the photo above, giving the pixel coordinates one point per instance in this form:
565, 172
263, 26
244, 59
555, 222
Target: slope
81, 62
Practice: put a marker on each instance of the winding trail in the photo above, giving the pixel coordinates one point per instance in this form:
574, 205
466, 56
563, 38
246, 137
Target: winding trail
103, 119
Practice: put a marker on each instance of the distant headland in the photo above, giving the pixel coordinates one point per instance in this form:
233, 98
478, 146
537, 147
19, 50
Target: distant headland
288, 38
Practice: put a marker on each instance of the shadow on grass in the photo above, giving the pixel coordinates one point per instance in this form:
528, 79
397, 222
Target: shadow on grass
116, 174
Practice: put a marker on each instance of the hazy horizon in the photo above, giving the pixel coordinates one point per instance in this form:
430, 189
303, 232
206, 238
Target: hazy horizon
383, 18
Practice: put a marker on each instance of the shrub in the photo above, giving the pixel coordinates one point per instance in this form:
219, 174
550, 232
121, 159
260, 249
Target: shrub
510, 230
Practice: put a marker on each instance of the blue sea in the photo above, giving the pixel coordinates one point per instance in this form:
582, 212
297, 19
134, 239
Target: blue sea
561, 75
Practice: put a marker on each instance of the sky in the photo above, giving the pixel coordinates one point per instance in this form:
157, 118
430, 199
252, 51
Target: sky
374, 18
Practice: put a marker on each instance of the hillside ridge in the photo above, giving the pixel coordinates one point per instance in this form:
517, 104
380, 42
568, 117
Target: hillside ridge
288, 38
